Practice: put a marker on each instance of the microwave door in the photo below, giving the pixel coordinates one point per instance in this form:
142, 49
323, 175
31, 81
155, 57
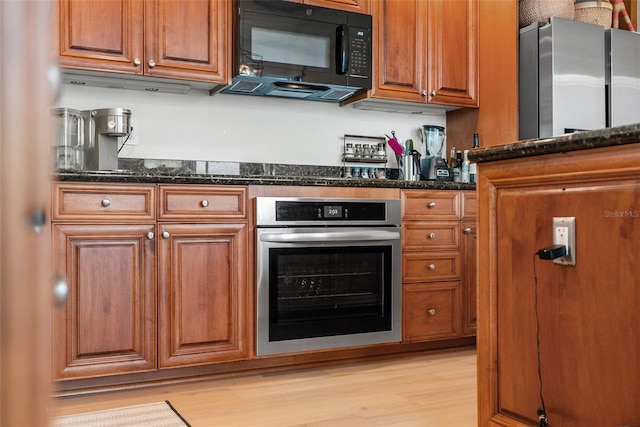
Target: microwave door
292, 49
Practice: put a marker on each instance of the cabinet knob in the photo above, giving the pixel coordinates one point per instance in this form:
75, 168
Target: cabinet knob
431, 205
152, 63
60, 290
150, 235
106, 202
431, 236
432, 311
425, 93
204, 203
432, 266
433, 93
137, 62
38, 220
467, 230
166, 235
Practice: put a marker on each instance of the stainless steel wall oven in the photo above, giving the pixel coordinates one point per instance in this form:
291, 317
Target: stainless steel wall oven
328, 273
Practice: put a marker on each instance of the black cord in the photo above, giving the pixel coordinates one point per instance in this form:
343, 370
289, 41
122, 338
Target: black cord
542, 412
125, 141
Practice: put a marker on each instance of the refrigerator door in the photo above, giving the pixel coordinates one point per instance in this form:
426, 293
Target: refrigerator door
572, 77
623, 77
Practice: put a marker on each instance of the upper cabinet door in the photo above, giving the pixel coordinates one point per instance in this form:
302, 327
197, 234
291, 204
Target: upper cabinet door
426, 51
187, 39
102, 35
453, 52
361, 6
399, 49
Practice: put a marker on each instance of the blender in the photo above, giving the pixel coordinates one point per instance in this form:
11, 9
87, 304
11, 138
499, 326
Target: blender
433, 166
67, 138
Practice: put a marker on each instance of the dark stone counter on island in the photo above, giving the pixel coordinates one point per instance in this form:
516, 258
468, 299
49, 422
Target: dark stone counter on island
608, 137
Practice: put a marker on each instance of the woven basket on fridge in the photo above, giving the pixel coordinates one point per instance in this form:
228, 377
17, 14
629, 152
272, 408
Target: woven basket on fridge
541, 10
595, 12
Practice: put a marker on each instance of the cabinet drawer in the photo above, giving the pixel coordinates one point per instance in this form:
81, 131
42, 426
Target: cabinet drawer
430, 311
83, 202
420, 236
179, 202
431, 205
424, 267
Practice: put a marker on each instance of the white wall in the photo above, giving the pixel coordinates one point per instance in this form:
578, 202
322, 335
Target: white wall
240, 128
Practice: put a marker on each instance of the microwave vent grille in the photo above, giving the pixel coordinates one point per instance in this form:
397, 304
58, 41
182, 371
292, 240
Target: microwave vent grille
245, 86
337, 95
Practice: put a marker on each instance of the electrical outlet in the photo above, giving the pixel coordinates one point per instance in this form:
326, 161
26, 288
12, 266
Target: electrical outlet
564, 233
135, 133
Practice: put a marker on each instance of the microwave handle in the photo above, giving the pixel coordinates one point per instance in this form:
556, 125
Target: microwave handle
342, 50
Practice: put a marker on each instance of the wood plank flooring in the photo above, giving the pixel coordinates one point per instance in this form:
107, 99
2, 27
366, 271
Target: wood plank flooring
421, 389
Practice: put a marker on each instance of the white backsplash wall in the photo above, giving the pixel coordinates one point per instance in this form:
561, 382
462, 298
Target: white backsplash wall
239, 128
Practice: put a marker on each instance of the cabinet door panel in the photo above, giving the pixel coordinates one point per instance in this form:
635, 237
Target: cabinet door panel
469, 281
202, 293
187, 39
108, 323
452, 47
398, 57
100, 34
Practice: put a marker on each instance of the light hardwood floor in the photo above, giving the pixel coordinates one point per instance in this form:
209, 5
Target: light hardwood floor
422, 389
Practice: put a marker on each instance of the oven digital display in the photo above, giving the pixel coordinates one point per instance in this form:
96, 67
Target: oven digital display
332, 212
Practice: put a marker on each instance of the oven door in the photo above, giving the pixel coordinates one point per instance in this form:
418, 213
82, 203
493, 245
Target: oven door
321, 288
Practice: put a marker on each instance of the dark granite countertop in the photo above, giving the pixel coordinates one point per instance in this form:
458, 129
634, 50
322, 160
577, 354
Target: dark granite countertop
184, 172
607, 137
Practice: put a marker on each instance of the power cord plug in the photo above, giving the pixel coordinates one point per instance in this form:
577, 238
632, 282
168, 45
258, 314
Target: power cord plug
552, 252
542, 417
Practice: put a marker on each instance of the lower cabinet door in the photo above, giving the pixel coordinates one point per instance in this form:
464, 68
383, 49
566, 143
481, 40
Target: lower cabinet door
202, 294
107, 325
430, 311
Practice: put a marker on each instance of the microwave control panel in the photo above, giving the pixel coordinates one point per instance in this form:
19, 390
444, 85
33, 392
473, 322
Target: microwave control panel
359, 42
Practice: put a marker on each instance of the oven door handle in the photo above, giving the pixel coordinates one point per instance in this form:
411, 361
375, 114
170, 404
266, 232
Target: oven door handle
329, 236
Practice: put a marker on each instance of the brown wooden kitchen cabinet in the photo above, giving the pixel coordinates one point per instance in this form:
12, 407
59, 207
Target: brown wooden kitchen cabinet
435, 276
202, 280
426, 51
189, 39
103, 241
568, 331
149, 292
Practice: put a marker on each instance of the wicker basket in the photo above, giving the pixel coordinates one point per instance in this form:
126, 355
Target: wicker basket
595, 12
541, 10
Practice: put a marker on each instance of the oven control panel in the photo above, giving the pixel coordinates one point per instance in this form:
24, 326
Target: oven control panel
294, 211
321, 211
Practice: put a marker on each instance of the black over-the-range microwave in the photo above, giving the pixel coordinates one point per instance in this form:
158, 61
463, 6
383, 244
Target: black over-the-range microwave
293, 50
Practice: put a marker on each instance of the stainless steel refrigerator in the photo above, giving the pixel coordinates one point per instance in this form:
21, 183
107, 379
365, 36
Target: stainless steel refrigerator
562, 78
622, 77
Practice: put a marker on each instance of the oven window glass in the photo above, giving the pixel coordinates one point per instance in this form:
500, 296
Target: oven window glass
324, 291
284, 47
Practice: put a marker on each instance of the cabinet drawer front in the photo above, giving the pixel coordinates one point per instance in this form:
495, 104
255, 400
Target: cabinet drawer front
199, 202
420, 236
86, 202
422, 267
430, 311
437, 204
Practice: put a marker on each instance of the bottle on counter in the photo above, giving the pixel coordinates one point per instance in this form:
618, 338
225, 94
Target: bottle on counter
476, 140
451, 162
472, 172
464, 170
457, 169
